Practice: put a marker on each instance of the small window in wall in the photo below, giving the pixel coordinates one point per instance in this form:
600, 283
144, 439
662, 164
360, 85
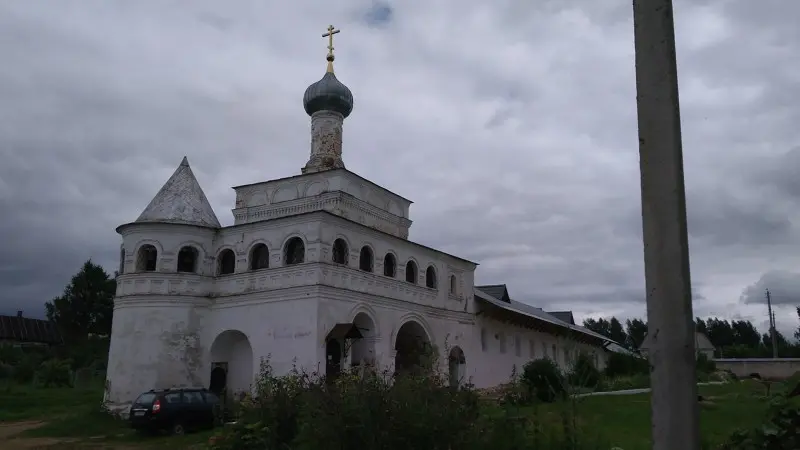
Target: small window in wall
544, 350
389, 266
502, 338
340, 253
452, 285
146, 258
483, 339
411, 272
365, 259
555, 353
122, 260
517, 346
226, 262
430, 278
566, 357
596, 360
259, 257
532, 345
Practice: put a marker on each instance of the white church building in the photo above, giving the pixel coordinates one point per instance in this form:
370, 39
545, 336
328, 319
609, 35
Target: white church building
316, 271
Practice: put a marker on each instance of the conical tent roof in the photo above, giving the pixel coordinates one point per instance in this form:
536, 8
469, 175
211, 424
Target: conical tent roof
181, 200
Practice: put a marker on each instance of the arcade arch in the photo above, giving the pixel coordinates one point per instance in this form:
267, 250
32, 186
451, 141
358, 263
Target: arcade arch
231, 363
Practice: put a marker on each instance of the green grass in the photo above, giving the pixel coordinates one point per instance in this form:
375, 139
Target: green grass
76, 413
622, 421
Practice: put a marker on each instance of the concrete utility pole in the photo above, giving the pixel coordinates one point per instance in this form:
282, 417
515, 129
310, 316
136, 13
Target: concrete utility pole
773, 336
666, 247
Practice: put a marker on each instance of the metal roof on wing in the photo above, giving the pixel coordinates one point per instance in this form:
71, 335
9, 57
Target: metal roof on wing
529, 310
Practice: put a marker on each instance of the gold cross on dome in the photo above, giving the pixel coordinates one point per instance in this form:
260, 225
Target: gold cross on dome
329, 35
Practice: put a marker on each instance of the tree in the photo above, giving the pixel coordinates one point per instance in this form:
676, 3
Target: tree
599, 326
636, 330
617, 332
86, 305
700, 326
797, 333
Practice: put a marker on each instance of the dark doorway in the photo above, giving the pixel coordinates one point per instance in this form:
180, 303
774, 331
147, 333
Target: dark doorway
333, 359
219, 378
413, 349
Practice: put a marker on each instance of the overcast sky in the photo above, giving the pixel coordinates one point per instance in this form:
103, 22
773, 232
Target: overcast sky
511, 124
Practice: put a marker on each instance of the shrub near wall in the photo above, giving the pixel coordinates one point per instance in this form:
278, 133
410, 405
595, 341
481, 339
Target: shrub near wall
375, 411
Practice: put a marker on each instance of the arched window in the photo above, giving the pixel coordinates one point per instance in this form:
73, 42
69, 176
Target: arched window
389, 266
411, 272
340, 251
430, 277
452, 285
294, 252
122, 260
146, 258
365, 259
187, 259
259, 257
226, 262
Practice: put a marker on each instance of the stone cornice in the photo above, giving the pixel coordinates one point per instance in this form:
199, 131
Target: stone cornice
336, 202
160, 301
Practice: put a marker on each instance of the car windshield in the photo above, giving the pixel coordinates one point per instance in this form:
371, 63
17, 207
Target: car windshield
146, 399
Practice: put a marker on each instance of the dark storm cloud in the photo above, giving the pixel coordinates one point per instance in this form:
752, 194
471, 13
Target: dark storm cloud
784, 288
512, 126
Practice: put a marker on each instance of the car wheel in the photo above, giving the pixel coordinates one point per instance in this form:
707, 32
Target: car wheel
177, 429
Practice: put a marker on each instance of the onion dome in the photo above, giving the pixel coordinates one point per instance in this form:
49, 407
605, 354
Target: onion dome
328, 94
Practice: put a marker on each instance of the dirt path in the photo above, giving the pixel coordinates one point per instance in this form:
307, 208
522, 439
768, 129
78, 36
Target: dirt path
10, 441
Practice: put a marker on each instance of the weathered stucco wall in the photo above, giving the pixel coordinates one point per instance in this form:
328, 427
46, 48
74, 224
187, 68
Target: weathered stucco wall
156, 343
767, 368
501, 347
280, 327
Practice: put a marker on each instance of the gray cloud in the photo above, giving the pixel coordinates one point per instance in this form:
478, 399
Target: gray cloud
511, 125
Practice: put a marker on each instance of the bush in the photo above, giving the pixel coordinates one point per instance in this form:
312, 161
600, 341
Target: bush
302, 411
542, 380
584, 373
705, 365
781, 431
54, 373
620, 364
25, 369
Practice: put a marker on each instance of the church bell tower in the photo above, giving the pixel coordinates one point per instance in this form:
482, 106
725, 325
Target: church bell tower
328, 102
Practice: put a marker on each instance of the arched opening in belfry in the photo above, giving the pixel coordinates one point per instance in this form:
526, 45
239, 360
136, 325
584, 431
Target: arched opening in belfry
363, 350
187, 259
413, 349
226, 262
232, 368
452, 285
259, 257
340, 251
366, 259
411, 272
430, 278
146, 258
389, 265
294, 251
457, 365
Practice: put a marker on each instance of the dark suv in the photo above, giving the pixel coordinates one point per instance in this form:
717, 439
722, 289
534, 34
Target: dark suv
175, 410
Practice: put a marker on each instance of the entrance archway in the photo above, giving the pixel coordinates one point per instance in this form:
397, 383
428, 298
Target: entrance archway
412, 347
363, 350
457, 365
231, 363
